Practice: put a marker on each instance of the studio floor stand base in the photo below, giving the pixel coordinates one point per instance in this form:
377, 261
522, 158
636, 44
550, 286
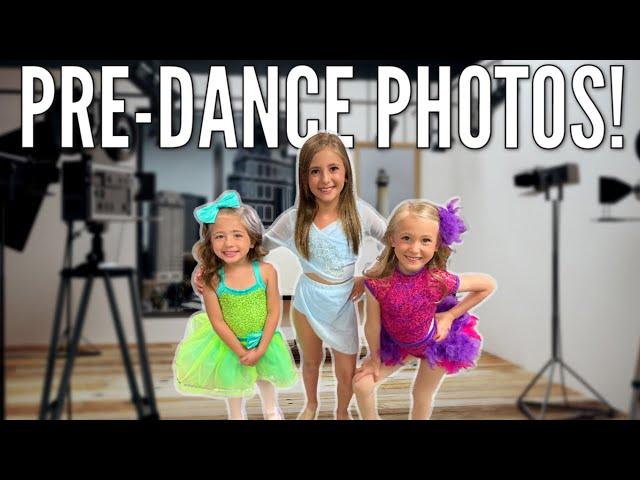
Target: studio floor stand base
544, 406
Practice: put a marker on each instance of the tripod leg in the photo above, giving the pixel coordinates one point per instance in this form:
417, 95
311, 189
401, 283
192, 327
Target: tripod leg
589, 387
535, 379
548, 391
564, 387
126, 360
562, 382
142, 348
71, 352
53, 347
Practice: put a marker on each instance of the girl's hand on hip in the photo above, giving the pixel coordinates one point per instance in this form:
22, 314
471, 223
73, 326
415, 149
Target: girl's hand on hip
443, 325
358, 289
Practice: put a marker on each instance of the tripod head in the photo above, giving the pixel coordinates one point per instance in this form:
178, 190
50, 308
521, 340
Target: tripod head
96, 254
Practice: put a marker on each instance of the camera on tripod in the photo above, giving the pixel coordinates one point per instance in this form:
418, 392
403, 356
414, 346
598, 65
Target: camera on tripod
97, 188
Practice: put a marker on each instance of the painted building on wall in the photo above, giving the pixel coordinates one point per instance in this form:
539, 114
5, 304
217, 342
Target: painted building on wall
264, 180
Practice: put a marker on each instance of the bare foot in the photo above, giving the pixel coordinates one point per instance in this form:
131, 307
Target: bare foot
343, 416
274, 415
309, 413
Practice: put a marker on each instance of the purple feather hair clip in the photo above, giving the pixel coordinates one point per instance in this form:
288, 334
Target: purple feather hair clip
451, 225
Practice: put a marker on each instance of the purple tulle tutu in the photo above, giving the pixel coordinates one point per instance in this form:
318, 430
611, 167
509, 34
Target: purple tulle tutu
459, 350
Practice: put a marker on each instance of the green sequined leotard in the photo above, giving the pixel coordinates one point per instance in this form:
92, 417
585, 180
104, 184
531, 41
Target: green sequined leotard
245, 311
205, 365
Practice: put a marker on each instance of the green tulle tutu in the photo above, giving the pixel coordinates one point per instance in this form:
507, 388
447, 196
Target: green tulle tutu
205, 365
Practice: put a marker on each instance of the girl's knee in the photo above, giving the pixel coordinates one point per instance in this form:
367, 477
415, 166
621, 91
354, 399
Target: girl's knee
311, 364
345, 377
363, 386
423, 397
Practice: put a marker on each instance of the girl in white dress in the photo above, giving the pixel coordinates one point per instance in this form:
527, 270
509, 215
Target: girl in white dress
325, 230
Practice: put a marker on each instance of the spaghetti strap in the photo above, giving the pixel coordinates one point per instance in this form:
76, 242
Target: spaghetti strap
256, 272
221, 286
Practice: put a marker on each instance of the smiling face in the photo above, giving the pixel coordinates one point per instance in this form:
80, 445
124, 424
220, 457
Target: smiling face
414, 240
327, 176
230, 239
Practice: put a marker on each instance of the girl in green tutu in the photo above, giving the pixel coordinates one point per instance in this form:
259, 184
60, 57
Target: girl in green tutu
234, 346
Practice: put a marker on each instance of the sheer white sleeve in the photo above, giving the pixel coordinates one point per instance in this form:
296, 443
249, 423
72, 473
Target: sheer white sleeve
374, 227
374, 224
280, 233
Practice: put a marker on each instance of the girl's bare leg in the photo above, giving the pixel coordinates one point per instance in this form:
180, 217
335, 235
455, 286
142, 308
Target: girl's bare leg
311, 356
425, 388
344, 366
365, 390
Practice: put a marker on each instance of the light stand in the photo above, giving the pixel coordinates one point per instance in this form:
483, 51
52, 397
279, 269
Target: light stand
556, 357
611, 191
145, 405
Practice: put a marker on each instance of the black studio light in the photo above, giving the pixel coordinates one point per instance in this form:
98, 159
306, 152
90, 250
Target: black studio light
541, 179
611, 190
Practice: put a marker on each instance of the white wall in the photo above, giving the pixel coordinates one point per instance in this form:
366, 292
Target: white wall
509, 237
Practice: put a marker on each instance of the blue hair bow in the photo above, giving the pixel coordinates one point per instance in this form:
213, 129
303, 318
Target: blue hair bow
208, 213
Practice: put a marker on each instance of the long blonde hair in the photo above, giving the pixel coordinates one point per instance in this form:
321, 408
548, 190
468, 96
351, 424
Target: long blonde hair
203, 250
307, 204
387, 261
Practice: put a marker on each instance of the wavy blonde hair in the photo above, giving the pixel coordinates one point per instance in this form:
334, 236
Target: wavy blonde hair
307, 205
203, 249
387, 261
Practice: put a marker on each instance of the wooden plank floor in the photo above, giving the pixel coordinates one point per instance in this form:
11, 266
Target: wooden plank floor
100, 390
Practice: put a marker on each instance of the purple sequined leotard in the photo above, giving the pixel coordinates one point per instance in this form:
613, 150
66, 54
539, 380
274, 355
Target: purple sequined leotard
408, 304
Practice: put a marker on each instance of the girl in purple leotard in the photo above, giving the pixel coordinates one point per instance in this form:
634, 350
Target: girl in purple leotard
412, 310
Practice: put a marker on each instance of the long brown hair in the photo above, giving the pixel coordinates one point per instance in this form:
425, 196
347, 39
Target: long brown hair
203, 250
307, 204
387, 261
